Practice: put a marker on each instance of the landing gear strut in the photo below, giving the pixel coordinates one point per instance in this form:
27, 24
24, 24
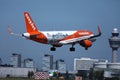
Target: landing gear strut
72, 48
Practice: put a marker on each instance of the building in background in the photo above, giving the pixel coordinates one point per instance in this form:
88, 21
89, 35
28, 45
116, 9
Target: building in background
16, 60
84, 63
87, 63
0, 61
28, 63
47, 62
114, 44
15, 71
60, 65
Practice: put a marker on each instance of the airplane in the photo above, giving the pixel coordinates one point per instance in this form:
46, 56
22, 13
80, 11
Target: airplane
57, 38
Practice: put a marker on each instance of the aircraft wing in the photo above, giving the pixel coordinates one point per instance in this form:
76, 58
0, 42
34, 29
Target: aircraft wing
74, 38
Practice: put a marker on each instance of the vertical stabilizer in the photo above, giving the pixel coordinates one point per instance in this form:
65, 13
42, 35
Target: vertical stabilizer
30, 25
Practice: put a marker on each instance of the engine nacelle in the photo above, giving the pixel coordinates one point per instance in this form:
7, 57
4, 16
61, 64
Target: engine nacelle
86, 43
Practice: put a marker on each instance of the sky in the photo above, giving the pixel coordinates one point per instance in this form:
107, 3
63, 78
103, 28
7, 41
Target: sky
53, 15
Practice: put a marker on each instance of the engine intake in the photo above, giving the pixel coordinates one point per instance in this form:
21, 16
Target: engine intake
86, 43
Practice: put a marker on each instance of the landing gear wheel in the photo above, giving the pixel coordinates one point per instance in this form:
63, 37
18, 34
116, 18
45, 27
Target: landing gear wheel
52, 48
72, 49
86, 48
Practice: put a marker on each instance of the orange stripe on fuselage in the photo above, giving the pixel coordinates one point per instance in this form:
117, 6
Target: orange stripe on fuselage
78, 34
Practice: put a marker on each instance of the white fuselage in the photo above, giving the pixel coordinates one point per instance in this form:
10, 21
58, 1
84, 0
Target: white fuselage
54, 36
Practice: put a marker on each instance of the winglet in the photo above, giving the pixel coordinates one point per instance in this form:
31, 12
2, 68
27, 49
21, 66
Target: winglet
99, 31
11, 32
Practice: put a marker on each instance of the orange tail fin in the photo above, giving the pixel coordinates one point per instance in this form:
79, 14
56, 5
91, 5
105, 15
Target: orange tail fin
30, 25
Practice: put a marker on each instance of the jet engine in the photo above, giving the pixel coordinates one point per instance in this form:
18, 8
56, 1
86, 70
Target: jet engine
86, 43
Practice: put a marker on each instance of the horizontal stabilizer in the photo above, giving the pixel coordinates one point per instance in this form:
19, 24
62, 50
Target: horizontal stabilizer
11, 32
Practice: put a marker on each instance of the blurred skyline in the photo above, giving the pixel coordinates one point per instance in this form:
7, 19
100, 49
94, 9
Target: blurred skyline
51, 15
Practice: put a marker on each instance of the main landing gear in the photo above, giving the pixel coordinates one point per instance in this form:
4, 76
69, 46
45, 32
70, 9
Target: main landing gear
53, 48
72, 49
